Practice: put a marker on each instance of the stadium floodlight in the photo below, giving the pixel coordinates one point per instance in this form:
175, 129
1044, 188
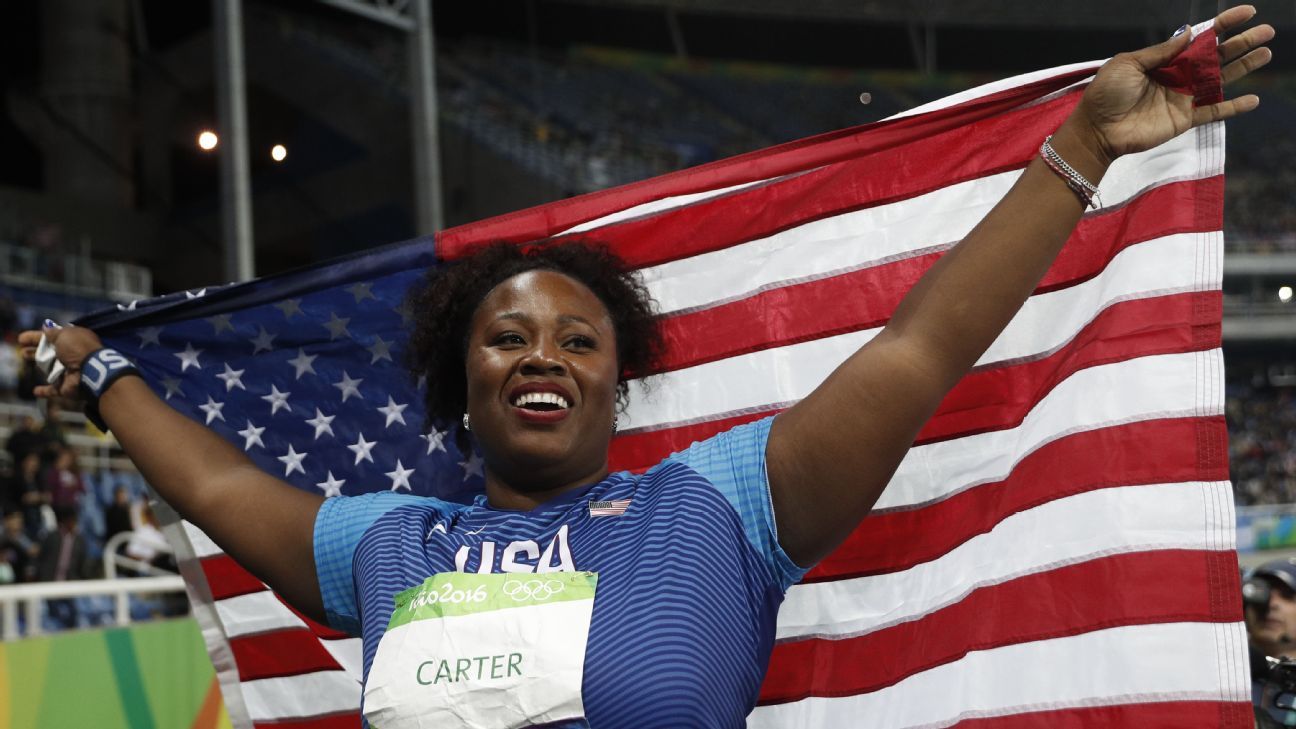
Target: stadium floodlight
207, 140
278, 153
1284, 294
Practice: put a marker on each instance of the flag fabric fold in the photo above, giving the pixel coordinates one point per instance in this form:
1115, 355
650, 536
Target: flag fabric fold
1056, 549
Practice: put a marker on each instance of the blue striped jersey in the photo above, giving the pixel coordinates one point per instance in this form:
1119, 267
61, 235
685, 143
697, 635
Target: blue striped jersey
690, 575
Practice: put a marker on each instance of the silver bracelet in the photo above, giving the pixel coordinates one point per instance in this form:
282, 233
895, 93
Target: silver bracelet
1086, 190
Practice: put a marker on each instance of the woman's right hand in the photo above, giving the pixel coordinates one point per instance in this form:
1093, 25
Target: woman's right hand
71, 346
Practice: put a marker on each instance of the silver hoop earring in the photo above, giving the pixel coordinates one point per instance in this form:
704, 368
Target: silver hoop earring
465, 422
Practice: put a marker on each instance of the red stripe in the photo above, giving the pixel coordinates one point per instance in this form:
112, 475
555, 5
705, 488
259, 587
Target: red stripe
1172, 587
825, 149
892, 541
280, 653
345, 720
1176, 714
866, 298
992, 145
1000, 397
226, 578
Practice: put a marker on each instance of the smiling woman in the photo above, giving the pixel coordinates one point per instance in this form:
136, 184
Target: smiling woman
568, 596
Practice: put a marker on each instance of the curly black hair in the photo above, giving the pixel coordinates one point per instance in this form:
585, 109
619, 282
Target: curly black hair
444, 304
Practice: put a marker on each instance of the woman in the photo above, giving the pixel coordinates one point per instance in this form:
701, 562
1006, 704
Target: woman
645, 600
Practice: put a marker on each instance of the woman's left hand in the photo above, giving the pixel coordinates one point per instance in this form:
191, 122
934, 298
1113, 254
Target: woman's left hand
1128, 112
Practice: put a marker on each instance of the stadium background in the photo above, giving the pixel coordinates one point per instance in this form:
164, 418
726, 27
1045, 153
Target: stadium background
105, 195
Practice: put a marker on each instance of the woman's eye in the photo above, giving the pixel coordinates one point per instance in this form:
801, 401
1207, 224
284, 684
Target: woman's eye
509, 338
581, 342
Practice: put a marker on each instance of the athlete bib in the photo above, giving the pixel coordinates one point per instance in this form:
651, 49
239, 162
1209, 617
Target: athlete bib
486, 651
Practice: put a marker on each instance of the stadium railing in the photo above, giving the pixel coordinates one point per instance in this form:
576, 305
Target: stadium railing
33, 594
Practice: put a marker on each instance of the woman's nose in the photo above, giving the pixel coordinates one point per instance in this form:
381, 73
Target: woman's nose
543, 358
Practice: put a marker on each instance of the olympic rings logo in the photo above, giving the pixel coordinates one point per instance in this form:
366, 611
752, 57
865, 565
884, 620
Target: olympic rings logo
532, 589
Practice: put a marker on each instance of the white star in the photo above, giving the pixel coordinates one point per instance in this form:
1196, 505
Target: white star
264, 340
252, 436
213, 410
289, 307
400, 477
292, 462
128, 307
361, 448
332, 486
381, 350
407, 316
321, 423
393, 412
361, 292
337, 326
231, 378
191, 295
172, 386
434, 440
473, 466
189, 357
277, 400
349, 386
302, 363
220, 323
149, 335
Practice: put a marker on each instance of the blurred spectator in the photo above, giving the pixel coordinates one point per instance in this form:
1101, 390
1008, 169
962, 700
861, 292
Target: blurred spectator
148, 544
10, 363
64, 555
18, 552
1271, 625
63, 480
27, 492
117, 517
1262, 443
26, 438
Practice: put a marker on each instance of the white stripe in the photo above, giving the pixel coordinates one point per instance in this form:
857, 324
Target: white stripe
1132, 391
347, 652
203, 546
307, 694
256, 612
1126, 665
789, 373
995, 87
861, 238
1066, 531
656, 206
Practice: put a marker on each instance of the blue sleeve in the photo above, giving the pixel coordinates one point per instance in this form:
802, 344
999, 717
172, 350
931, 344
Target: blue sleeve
339, 525
734, 462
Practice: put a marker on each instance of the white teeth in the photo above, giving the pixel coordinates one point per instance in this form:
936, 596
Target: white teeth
551, 398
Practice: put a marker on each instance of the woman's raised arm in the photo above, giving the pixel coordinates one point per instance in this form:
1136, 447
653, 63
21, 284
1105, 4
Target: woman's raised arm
830, 456
264, 523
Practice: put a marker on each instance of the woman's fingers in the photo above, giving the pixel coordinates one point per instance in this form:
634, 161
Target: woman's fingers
1246, 64
1233, 17
1242, 43
1225, 109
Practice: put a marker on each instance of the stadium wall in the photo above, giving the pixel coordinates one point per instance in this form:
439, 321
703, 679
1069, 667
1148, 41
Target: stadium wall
148, 676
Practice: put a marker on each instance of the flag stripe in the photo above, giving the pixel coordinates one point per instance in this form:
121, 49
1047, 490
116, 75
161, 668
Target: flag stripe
899, 539
227, 578
1172, 588
912, 226
1122, 665
1001, 396
343, 720
1064, 531
281, 653
321, 693
792, 157
848, 298
1044, 323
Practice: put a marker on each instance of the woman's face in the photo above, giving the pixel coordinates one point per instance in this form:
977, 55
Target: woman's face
542, 375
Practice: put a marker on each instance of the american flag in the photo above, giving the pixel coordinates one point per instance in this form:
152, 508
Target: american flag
609, 508
1056, 549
